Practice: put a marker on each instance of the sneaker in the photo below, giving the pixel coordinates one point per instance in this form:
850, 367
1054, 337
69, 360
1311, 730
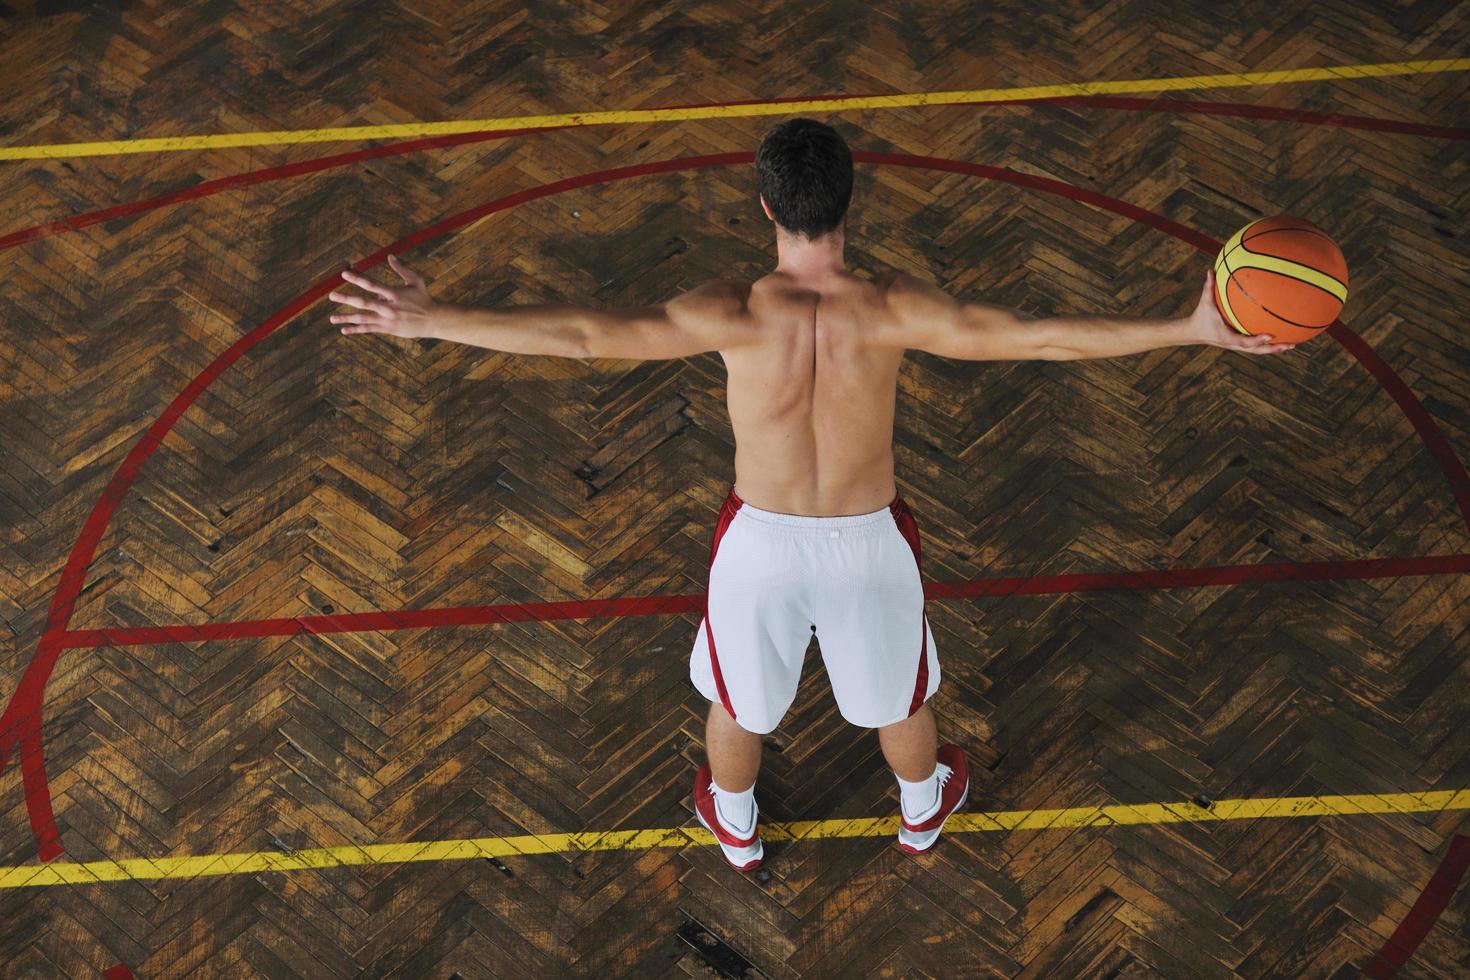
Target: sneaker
954, 788
742, 853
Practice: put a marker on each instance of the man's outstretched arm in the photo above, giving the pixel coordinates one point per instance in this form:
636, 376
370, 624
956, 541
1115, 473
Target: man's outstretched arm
929, 319
706, 318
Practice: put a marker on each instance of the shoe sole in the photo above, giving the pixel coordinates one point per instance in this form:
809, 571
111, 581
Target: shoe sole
760, 851
929, 837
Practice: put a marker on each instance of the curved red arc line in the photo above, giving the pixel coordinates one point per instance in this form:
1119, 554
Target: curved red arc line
1425, 911
250, 178
1429, 431
21, 723
197, 191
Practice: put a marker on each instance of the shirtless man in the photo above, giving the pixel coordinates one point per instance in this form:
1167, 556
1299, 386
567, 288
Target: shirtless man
818, 539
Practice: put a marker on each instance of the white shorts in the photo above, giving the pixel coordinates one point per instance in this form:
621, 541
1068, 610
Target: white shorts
774, 579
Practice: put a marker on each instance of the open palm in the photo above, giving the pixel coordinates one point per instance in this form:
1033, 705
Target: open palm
401, 312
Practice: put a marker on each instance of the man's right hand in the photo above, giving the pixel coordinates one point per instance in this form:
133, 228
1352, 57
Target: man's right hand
404, 312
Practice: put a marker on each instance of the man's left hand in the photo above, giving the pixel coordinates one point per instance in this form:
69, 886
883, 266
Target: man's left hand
1209, 327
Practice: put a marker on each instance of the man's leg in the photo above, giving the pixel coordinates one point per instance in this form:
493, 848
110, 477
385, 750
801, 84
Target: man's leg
911, 746
724, 789
932, 782
734, 753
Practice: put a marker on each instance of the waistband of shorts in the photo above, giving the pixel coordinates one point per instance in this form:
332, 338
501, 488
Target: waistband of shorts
804, 522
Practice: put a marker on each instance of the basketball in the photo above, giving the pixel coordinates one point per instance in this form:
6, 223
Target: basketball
1280, 276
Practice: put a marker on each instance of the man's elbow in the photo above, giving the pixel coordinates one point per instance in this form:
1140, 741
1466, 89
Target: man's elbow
581, 345
585, 336
1005, 335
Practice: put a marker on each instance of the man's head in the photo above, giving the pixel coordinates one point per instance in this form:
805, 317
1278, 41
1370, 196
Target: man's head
804, 172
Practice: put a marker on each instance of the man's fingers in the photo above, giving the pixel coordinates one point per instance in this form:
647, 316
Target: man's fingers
407, 274
366, 283
363, 328
366, 319
359, 302
1258, 344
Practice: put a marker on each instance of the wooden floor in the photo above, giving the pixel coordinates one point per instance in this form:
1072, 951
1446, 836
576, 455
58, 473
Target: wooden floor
318, 475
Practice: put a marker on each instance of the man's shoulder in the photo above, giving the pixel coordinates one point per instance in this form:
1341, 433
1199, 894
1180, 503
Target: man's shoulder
902, 285
723, 290
716, 297
906, 297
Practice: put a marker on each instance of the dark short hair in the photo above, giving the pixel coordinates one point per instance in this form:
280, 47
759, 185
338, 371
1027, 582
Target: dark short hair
804, 171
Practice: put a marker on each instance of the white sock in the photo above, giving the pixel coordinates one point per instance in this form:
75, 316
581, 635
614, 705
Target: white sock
736, 810
920, 801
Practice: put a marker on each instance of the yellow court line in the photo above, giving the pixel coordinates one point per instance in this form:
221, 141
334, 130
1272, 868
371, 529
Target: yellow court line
358, 855
625, 116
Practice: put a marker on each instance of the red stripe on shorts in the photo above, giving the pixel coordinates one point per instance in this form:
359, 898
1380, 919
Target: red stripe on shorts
909, 528
727, 514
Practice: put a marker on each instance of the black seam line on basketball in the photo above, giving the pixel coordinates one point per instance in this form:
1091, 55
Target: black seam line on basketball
1225, 259
1240, 245
1294, 261
1263, 306
1225, 255
1266, 254
1267, 231
1267, 309
1285, 275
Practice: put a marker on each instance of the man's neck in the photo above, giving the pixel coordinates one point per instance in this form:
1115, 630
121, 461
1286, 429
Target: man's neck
816, 258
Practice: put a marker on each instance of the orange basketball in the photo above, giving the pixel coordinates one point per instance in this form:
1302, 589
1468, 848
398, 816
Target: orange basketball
1281, 276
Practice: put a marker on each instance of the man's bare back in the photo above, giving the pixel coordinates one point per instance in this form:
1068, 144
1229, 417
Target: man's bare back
811, 399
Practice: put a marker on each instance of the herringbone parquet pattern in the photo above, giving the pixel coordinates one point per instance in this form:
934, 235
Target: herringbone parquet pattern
326, 474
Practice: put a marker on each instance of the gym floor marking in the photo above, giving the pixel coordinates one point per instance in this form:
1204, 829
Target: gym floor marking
358, 855
20, 727
731, 110
185, 867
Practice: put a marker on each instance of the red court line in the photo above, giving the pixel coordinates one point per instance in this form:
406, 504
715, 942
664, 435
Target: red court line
117, 972
20, 726
1429, 431
1427, 909
666, 605
394, 619
197, 191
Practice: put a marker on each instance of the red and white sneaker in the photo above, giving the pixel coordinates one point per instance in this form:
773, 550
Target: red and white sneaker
954, 788
742, 853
